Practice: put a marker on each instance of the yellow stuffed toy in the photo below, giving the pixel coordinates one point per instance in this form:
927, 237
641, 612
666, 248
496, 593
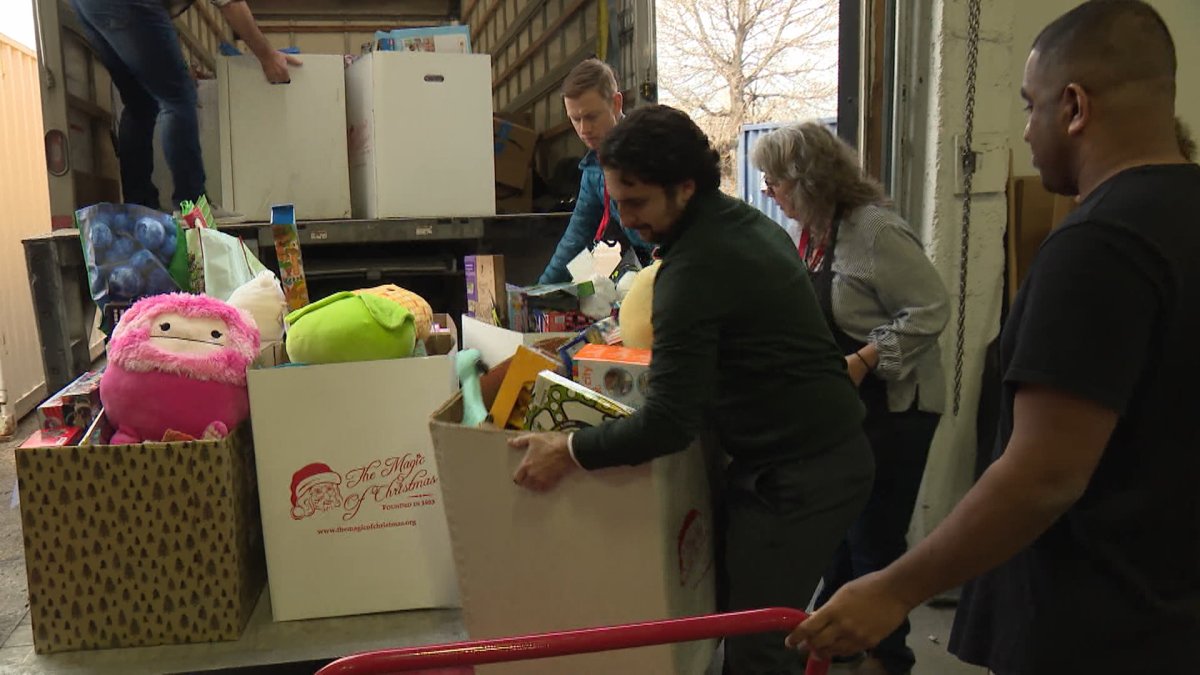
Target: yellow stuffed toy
420, 309
637, 309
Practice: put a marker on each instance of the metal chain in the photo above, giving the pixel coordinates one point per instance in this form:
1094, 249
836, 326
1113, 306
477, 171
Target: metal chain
967, 160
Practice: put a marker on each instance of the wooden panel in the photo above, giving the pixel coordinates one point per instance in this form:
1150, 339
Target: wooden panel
1032, 213
873, 105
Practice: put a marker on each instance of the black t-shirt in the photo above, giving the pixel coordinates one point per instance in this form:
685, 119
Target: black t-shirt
1110, 312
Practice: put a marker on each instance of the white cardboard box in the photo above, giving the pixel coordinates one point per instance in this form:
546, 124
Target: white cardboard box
495, 344
352, 508
284, 143
614, 546
420, 135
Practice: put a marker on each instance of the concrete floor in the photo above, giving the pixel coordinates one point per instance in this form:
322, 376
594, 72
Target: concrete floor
265, 641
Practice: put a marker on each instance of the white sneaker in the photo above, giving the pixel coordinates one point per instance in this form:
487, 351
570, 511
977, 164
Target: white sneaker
224, 217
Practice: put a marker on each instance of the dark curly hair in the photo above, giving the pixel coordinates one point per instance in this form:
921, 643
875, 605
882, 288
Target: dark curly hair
660, 145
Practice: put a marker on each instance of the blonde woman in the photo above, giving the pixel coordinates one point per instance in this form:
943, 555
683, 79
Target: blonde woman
886, 306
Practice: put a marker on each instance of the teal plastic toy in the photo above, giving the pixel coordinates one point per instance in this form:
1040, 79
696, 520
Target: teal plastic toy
467, 365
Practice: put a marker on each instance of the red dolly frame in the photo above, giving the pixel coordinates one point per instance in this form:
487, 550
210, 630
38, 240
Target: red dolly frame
587, 640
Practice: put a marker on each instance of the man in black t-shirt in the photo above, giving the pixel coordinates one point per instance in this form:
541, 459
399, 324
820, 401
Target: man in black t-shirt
1082, 539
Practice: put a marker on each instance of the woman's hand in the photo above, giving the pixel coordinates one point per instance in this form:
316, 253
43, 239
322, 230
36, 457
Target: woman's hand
861, 363
857, 369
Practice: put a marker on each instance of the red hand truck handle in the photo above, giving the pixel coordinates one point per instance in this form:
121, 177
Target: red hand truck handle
583, 641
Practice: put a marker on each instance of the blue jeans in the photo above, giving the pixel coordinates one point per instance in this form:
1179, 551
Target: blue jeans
138, 44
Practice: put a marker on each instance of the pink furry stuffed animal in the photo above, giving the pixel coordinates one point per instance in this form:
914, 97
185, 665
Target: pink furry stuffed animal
178, 362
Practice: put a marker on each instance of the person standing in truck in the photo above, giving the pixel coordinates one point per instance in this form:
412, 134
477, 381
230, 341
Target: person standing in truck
138, 44
594, 106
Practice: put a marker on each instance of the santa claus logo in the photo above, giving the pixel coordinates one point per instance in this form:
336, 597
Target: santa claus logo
315, 488
694, 549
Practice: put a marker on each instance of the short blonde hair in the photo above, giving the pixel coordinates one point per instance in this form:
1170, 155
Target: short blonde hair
824, 169
591, 75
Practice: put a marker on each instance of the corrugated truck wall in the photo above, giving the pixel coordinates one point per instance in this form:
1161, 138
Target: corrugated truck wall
24, 211
534, 43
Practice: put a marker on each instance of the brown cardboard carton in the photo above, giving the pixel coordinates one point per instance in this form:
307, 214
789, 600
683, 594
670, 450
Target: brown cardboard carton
604, 547
514, 146
509, 201
132, 545
487, 298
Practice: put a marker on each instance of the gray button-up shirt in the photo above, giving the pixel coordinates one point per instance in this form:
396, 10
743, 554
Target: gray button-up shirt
886, 291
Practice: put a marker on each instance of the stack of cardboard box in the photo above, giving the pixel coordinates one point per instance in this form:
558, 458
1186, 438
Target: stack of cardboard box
515, 142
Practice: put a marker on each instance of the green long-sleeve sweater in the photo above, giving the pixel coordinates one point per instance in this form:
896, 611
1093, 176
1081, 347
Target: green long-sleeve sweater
740, 345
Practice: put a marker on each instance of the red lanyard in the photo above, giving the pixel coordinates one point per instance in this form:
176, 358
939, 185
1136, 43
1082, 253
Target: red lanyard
813, 258
604, 219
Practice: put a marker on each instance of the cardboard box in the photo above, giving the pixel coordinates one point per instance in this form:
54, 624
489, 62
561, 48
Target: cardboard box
513, 202
496, 344
350, 490
604, 547
518, 202
284, 143
75, 405
514, 146
620, 373
487, 300
134, 545
420, 129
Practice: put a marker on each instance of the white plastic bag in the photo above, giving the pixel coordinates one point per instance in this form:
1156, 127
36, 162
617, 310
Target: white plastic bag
219, 263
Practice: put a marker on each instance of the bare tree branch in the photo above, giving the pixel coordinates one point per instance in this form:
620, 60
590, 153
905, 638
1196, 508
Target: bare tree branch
735, 62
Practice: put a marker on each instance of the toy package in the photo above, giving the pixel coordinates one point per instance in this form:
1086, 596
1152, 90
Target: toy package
76, 405
516, 390
131, 252
620, 373
445, 39
287, 251
57, 438
560, 404
603, 332
486, 289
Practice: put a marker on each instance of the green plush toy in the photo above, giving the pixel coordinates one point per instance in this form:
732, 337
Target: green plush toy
350, 327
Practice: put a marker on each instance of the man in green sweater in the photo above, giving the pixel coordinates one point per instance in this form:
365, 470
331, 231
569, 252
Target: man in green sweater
741, 349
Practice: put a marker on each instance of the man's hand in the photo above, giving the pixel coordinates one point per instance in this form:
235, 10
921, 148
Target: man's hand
1057, 441
547, 460
855, 619
275, 66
